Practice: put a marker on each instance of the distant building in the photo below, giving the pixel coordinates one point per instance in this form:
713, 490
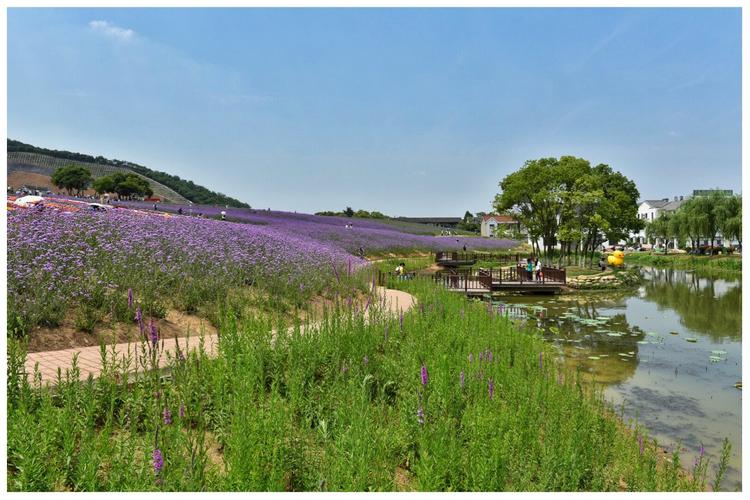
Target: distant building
491, 223
650, 210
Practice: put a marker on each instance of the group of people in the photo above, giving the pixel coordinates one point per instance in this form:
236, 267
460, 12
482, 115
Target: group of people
401, 271
534, 268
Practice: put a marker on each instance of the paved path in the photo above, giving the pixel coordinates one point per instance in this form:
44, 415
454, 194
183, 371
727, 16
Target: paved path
90, 359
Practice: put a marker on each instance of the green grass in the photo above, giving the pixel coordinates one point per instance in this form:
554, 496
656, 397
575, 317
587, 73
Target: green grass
336, 408
730, 263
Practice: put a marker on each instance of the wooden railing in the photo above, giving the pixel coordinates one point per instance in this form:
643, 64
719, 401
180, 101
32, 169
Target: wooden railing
500, 258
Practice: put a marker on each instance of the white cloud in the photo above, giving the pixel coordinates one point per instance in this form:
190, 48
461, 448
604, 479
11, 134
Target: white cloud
112, 31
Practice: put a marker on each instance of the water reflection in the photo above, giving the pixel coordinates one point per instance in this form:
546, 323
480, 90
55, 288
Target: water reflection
708, 305
670, 351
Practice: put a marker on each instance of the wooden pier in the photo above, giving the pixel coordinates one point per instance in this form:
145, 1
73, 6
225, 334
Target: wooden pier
512, 279
458, 259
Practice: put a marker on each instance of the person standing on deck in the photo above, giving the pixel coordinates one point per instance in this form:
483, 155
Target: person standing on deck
538, 270
530, 268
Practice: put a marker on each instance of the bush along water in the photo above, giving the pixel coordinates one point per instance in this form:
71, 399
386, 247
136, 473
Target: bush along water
449, 396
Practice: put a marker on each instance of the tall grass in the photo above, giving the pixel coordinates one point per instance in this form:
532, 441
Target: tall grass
730, 264
449, 397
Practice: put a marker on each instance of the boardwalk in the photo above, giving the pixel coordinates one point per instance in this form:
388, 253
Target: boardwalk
512, 279
90, 358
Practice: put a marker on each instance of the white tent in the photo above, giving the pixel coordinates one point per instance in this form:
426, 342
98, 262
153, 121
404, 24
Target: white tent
28, 201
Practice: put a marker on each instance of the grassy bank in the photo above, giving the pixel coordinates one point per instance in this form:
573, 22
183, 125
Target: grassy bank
451, 396
728, 263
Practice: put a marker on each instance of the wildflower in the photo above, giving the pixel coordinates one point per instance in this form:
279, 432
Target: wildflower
420, 416
182, 411
130, 298
139, 317
490, 387
167, 415
461, 379
158, 461
365, 360
481, 356
154, 331
471, 357
702, 451
489, 355
640, 444
401, 321
423, 373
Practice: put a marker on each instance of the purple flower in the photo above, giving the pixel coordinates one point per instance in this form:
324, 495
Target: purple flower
139, 317
461, 379
490, 387
154, 331
640, 444
481, 356
420, 416
130, 298
182, 411
423, 373
158, 461
489, 355
702, 451
471, 357
401, 321
167, 415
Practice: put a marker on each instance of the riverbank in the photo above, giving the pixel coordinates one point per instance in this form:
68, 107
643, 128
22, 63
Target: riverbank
608, 280
726, 263
450, 396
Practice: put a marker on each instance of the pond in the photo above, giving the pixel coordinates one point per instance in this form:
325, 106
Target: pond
668, 353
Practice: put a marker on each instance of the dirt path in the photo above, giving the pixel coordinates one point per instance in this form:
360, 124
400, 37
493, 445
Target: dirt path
90, 359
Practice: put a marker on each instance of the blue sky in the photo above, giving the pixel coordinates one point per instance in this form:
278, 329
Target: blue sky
410, 112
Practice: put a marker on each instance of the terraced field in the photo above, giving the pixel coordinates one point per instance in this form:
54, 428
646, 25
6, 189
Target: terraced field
46, 165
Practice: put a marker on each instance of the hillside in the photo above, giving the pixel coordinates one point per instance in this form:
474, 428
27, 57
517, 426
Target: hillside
170, 187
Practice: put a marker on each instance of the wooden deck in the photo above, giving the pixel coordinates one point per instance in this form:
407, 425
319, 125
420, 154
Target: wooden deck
458, 259
513, 279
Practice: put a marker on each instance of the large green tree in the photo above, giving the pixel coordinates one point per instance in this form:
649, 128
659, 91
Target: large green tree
567, 200
72, 178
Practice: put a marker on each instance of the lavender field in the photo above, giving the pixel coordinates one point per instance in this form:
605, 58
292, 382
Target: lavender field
373, 236
63, 262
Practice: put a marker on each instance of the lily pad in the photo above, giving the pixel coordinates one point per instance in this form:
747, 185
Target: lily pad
674, 333
692, 339
614, 334
715, 359
643, 342
594, 357
719, 352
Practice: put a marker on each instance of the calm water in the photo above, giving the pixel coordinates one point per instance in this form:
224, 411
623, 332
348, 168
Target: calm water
636, 343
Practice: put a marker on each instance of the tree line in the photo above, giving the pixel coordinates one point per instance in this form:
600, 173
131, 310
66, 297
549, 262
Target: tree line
350, 212
75, 179
193, 192
567, 201
700, 218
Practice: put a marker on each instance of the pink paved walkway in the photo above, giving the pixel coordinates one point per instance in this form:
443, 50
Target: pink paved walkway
90, 360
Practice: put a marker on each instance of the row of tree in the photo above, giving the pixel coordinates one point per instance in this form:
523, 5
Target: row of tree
349, 212
75, 179
125, 185
567, 201
188, 189
700, 218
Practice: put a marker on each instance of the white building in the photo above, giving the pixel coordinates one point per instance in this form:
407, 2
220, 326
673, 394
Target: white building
492, 223
650, 210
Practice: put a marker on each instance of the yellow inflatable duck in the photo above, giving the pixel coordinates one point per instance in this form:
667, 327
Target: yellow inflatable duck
616, 259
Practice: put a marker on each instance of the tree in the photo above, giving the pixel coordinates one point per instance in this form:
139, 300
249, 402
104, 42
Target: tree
349, 212
730, 218
72, 178
104, 185
567, 200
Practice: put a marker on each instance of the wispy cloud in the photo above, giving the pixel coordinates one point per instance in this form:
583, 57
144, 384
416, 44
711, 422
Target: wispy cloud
110, 30
692, 82
620, 29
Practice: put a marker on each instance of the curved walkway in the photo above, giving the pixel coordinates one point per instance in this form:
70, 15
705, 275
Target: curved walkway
90, 358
